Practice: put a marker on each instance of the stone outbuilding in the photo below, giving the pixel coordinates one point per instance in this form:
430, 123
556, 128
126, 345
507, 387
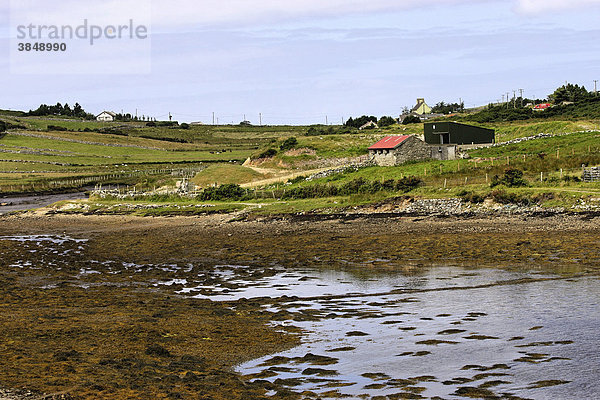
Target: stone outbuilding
395, 150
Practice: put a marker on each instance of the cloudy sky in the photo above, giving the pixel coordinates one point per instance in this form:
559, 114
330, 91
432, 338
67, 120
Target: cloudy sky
300, 61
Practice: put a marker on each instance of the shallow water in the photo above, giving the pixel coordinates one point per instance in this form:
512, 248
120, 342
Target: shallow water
428, 332
524, 333
22, 203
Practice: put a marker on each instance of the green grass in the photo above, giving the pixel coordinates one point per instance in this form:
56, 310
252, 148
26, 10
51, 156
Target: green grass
226, 173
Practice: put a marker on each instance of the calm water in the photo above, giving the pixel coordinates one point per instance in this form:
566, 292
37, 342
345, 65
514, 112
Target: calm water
438, 332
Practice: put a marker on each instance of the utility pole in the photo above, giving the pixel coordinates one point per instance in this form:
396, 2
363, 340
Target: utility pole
507, 101
213, 118
502, 99
514, 99
326, 120
595, 86
170, 116
259, 119
521, 91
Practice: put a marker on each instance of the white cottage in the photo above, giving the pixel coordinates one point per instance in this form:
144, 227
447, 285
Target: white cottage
106, 116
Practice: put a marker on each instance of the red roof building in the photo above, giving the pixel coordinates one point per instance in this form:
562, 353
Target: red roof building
395, 150
542, 106
389, 142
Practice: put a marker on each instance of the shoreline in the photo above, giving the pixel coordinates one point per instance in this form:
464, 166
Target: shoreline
136, 315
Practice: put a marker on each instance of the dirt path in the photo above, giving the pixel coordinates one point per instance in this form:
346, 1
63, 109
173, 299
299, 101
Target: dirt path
282, 178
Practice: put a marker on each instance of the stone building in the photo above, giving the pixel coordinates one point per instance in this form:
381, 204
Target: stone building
395, 150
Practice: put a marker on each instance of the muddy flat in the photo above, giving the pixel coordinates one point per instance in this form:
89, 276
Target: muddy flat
299, 307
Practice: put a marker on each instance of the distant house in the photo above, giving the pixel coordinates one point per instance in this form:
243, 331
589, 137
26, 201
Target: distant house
542, 107
106, 116
421, 110
454, 133
369, 125
395, 150
421, 107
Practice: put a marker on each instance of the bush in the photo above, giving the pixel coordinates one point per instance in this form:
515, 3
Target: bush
411, 119
386, 121
289, 144
268, 153
184, 126
408, 183
471, 197
229, 191
2, 126
57, 128
502, 197
297, 179
151, 124
513, 177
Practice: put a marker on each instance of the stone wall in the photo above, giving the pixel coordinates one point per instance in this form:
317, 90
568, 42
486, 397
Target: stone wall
443, 152
412, 149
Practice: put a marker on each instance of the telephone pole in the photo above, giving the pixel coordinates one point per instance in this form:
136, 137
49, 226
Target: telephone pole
595, 86
326, 120
259, 119
514, 99
507, 99
521, 91
213, 118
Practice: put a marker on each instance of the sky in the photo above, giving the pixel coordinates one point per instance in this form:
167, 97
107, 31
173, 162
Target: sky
307, 61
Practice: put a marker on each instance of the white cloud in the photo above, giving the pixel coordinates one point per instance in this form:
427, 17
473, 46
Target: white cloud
539, 6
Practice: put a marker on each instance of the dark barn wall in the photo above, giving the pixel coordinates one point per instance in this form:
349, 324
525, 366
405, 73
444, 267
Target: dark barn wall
455, 133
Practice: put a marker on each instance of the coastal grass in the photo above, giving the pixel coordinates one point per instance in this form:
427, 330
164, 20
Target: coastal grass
226, 173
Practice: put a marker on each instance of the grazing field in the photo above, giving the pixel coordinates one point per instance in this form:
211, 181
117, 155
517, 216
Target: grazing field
50, 154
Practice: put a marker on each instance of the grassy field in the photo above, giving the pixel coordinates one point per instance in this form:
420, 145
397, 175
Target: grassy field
35, 159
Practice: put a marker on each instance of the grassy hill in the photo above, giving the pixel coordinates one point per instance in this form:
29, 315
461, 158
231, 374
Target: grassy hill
36, 158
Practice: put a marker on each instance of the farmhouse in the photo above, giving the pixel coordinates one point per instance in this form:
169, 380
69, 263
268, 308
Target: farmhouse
395, 150
106, 116
453, 133
421, 107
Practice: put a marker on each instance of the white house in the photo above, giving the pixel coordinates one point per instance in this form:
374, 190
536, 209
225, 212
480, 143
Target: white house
106, 116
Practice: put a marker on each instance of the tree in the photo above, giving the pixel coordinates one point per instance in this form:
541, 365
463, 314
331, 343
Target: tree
447, 108
569, 92
358, 122
67, 110
411, 119
386, 121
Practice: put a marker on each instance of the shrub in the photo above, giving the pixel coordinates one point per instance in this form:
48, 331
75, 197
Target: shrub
411, 119
297, 179
57, 128
408, 183
229, 191
471, 197
268, 153
151, 124
288, 144
513, 177
2, 126
386, 121
184, 126
502, 197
